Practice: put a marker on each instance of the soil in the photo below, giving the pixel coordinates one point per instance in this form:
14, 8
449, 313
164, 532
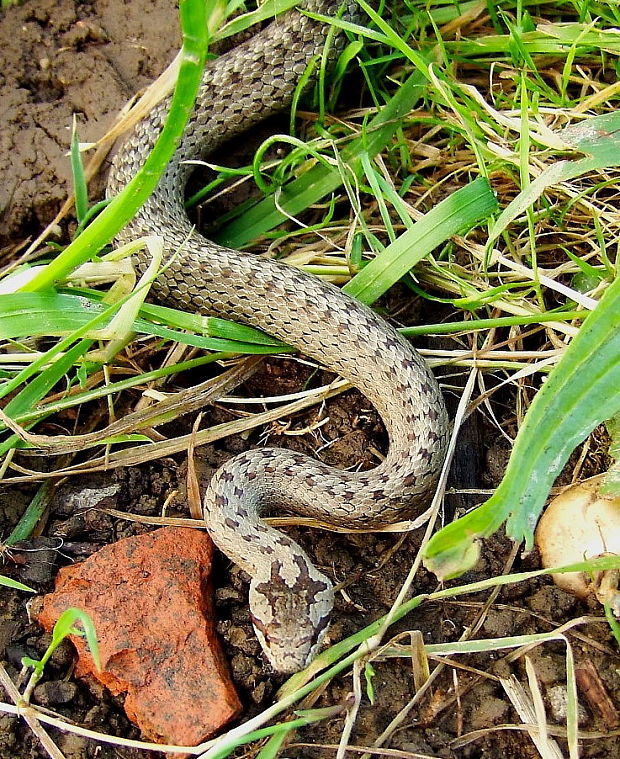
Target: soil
86, 59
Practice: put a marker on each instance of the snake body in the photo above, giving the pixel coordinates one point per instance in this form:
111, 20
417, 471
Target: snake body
290, 600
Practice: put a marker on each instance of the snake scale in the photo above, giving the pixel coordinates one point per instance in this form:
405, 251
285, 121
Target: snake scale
290, 600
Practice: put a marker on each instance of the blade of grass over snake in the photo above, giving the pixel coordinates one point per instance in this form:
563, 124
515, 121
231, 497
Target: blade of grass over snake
386, 35
582, 391
265, 12
50, 313
456, 213
122, 208
320, 181
212, 326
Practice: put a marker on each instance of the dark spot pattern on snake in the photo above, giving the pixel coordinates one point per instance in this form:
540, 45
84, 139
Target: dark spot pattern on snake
239, 90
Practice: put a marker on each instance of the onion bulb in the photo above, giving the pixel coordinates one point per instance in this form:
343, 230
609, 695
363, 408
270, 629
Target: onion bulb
578, 525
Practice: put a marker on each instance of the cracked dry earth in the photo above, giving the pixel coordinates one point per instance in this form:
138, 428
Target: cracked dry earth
87, 58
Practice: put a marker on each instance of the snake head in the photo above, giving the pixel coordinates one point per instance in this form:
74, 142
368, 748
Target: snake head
290, 611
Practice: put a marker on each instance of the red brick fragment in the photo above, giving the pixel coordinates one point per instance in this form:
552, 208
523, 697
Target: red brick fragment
150, 599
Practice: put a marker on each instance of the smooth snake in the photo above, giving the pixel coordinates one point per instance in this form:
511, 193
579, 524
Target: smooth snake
290, 600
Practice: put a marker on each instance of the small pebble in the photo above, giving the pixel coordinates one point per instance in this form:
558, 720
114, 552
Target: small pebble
557, 698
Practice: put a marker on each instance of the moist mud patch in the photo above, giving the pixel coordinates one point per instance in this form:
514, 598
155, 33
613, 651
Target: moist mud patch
60, 60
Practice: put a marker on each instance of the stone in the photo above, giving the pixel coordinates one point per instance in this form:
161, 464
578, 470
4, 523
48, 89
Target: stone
150, 599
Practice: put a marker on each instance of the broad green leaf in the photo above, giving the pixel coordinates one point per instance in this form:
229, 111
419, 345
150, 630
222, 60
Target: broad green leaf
582, 391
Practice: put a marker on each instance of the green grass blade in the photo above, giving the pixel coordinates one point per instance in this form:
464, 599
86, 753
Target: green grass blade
9, 583
449, 328
124, 206
548, 39
80, 186
34, 511
51, 313
40, 386
65, 626
53, 353
265, 12
386, 35
582, 391
454, 214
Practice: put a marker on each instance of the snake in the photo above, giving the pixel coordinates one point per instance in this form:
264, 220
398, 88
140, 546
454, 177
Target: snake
290, 599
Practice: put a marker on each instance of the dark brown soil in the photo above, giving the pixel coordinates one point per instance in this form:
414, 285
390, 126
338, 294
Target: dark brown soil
64, 58
60, 60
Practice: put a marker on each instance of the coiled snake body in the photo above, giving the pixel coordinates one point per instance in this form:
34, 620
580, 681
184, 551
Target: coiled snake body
290, 600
